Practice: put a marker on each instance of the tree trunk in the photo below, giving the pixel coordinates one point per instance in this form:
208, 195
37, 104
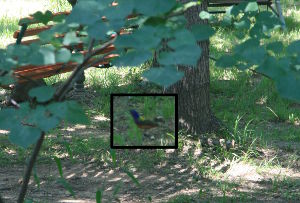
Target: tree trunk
195, 113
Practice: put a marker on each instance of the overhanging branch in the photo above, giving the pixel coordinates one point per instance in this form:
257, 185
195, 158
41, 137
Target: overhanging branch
60, 93
29, 169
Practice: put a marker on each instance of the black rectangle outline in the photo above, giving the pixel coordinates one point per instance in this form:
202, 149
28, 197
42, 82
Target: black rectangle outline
143, 147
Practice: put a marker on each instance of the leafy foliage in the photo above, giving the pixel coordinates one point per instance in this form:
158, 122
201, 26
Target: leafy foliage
162, 26
266, 58
162, 30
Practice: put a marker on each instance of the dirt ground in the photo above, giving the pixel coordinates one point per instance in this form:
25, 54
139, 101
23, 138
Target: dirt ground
160, 183
172, 176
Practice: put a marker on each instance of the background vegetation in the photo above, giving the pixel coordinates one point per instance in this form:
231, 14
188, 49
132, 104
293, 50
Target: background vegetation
264, 166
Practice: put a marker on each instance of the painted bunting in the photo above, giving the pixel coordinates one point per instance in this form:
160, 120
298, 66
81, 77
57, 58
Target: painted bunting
142, 124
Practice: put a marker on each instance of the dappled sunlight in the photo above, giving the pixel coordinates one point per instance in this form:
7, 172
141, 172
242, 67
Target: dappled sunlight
100, 118
4, 132
262, 100
76, 201
243, 171
6, 41
253, 169
113, 77
98, 174
10, 151
69, 129
24, 8
70, 176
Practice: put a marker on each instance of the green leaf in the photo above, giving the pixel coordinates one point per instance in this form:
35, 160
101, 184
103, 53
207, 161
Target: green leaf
254, 55
42, 94
42, 119
294, 48
59, 18
71, 111
154, 7
70, 39
99, 196
183, 55
245, 45
205, 15
77, 58
86, 12
24, 136
24, 21
182, 38
275, 47
134, 179
145, 38
257, 31
251, 52
133, 58
63, 55
251, 7
59, 166
66, 185
61, 28
243, 24
119, 12
202, 31
268, 20
288, 86
47, 35
6, 61
69, 150
58, 109
7, 80
43, 17
75, 114
236, 9
98, 30
8, 118
21, 52
164, 76
226, 21
113, 156
273, 68
42, 55
226, 61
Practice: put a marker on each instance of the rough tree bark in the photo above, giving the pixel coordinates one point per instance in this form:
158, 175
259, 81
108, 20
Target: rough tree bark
195, 113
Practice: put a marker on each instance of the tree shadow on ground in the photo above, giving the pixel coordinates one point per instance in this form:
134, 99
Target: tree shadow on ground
162, 175
189, 174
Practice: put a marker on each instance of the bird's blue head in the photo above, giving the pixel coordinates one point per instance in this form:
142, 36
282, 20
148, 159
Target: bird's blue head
135, 114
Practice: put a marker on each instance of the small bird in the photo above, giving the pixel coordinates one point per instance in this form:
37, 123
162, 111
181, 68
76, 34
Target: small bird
142, 124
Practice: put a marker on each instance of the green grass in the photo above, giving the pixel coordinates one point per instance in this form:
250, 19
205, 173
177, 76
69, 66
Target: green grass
149, 107
254, 98
7, 26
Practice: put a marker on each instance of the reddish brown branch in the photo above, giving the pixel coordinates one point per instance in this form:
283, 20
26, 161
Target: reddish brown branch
29, 168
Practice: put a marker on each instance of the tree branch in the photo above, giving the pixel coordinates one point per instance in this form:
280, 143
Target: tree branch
252, 70
29, 169
91, 45
96, 61
1, 200
60, 93
58, 97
